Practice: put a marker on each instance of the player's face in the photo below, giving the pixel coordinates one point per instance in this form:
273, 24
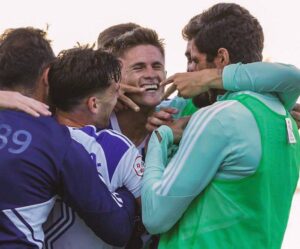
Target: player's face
188, 56
198, 59
144, 66
199, 62
107, 101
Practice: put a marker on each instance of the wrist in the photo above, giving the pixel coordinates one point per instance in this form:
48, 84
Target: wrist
216, 80
165, 134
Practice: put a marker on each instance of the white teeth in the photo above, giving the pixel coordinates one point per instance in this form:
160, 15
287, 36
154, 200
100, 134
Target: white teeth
151, 87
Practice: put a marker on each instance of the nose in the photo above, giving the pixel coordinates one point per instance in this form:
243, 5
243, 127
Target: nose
191, 67
150, 72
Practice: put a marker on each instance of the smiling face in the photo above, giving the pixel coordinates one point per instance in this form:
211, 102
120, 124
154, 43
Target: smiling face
144, 66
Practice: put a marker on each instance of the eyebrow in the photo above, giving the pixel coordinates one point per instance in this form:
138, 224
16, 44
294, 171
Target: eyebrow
138, 64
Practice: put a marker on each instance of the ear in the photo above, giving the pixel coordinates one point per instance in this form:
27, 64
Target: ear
93, 104
44, 76
222, 59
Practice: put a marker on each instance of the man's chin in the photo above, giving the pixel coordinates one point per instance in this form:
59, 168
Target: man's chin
202, 100
207, 98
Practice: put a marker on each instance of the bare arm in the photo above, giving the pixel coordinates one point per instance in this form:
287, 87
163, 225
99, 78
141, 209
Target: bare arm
17, 101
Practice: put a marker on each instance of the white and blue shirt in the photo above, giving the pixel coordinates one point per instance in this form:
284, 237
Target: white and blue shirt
39, 161
118, 163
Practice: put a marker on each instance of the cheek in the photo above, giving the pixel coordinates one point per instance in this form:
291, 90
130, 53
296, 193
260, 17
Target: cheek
131, 79
162, 75
200, 66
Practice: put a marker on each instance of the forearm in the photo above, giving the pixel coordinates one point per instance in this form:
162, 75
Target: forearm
157, 209
84, 191
168, 190
264, 77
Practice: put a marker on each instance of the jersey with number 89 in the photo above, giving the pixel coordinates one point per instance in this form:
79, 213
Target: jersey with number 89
38, 161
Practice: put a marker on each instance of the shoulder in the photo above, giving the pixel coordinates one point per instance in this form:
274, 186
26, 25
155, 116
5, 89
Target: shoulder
229, 115
111, 141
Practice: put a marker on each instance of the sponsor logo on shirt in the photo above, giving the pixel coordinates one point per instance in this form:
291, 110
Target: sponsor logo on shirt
138, 166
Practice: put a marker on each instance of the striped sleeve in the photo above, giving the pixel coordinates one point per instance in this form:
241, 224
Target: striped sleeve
167, 190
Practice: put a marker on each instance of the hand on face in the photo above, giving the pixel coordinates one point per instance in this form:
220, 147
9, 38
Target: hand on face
143, 67
124, 102
191, 84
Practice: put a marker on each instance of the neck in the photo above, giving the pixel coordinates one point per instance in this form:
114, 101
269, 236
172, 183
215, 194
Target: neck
73, 119
133, 124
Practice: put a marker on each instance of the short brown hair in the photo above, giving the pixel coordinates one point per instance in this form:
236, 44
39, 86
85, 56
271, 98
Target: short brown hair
24, 54
136, 37
79, 72
107, 36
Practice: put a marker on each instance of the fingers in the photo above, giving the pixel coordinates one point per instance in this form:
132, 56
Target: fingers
162, 117
167, 81
33, 107
172, 88
127, 101
17, 101
153, 123
131, 89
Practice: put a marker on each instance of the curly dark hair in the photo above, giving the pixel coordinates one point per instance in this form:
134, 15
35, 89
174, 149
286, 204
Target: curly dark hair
79, 72
136, 37
24, 54
230, 26
107, 36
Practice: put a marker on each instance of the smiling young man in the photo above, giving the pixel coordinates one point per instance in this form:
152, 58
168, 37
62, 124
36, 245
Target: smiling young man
142, 56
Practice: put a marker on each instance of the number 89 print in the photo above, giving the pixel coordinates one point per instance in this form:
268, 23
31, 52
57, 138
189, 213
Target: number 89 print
15, 142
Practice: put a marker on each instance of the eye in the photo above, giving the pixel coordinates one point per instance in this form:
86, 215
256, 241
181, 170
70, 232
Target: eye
137, 67
158, 66
195, 60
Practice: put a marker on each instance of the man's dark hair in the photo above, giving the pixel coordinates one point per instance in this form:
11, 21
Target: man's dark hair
107, 36
136, 37
230, 26
24, 54
191, 29
79, 72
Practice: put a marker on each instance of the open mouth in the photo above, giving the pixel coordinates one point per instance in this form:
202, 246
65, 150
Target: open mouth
151, 87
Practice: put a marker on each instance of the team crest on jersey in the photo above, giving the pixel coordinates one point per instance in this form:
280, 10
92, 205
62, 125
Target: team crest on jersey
138, 166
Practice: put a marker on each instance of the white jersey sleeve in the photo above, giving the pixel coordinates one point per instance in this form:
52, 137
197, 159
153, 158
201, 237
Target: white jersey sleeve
117, 159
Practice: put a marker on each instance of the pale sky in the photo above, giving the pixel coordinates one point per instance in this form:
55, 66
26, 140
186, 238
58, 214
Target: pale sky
73, 21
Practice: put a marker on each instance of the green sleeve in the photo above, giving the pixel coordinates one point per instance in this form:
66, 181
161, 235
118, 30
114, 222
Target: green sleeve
169, 187
157, 217
264, 77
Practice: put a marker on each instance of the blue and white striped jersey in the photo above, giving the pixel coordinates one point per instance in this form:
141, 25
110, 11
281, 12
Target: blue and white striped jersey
114, 125
118, 164
39, 161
